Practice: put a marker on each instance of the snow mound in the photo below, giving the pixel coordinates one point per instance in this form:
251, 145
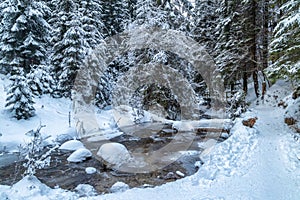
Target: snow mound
90, 170
119, 187
80, 155
71, 145
30, 188
224, 158
293, 110
114, 153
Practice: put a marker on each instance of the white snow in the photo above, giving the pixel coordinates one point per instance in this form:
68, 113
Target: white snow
80, 155
71, 145
114, 153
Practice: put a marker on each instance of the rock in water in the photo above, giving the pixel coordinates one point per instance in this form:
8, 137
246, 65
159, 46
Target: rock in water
79, 155
90, 170
114, 154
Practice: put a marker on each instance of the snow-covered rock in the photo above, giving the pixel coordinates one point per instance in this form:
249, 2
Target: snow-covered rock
179, 173
85, 190
80, 155
114, 153
119, 187
71, 145
224, 135
63, 138
90, 170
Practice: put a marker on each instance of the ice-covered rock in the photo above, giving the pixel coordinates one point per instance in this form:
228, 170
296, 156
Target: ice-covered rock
114, 154
119, 187
90, 170
80, 155
71, 145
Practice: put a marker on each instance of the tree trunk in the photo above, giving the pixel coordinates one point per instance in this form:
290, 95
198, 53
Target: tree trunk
265, 36
245, 82
253, 49
255, 81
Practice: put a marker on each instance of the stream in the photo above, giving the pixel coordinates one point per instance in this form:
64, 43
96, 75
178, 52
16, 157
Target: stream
145, 138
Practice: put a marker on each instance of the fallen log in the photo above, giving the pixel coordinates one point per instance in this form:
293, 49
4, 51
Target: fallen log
211, 129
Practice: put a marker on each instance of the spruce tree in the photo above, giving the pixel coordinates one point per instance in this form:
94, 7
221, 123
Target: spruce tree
237, 43
149, 14
205, 23
115, 15
285, 45
69, 45
19, 96
40, 80
229, 51
24, 34
91, 12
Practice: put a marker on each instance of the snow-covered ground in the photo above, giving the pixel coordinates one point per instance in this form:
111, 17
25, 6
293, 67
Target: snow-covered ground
253, 163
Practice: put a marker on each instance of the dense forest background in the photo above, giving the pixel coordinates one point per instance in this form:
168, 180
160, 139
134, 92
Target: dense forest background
45, 43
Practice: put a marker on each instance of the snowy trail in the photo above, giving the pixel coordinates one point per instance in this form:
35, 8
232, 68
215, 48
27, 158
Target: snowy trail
270, 172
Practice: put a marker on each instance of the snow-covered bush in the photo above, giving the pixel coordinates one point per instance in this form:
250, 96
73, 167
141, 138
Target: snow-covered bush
36, 155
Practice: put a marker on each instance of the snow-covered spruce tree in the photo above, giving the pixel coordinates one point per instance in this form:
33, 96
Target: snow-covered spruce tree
91, 20
236, 49
229, 51
115, 16
19, 96
205, 22
69, 45
40, 80
149, 14
178, 13
24, 34
285, 45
